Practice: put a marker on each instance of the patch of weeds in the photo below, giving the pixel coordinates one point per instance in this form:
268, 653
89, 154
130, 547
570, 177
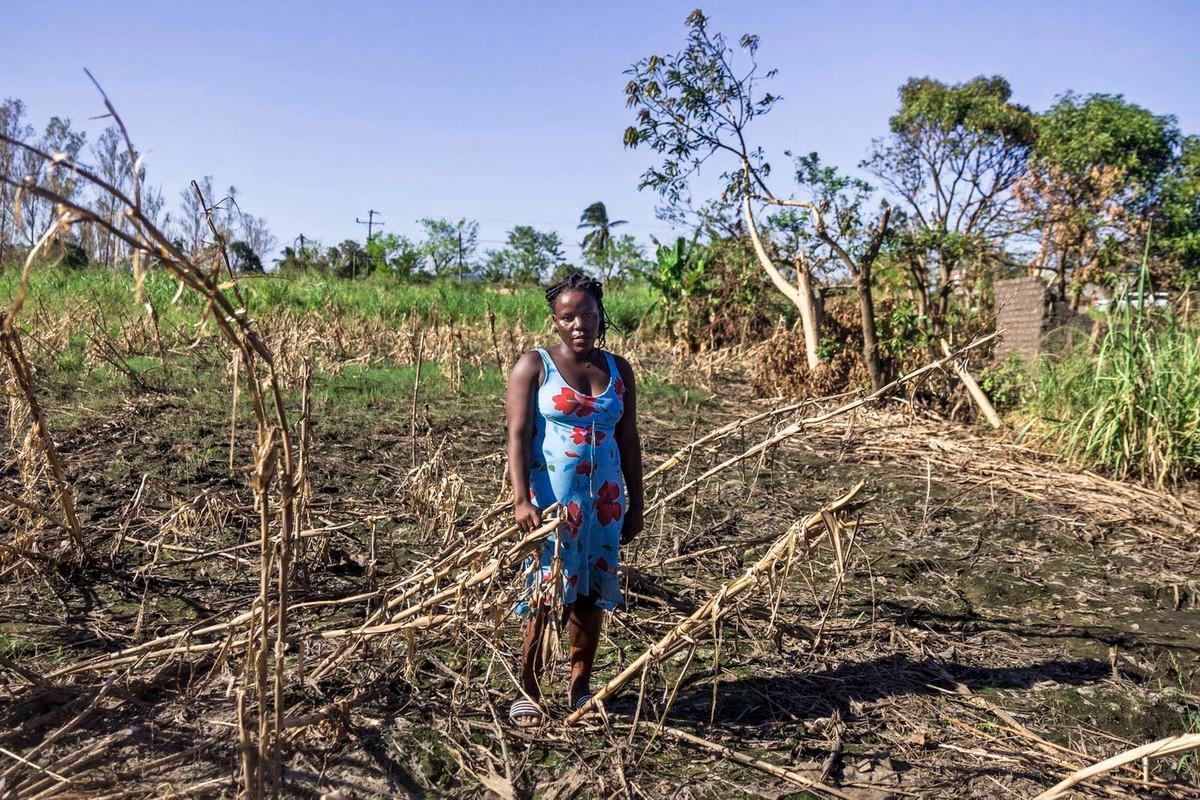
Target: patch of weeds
654, 392
12, 648
1006, 383
1186, 766
365, 387
1132, 717
489, 382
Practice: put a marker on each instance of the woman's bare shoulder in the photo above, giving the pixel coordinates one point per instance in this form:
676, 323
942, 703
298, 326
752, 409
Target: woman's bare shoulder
528, 366
623, 367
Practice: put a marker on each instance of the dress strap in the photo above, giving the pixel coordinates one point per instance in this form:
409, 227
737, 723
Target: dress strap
548, 367
614, 374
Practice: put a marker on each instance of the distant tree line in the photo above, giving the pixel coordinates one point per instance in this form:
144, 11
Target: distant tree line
24, 217
450, 249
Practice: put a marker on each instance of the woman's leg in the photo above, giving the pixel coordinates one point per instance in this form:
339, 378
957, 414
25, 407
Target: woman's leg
532, 658
584, 621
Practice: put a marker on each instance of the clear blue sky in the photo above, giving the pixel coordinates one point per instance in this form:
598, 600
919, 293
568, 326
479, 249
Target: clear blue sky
512, 113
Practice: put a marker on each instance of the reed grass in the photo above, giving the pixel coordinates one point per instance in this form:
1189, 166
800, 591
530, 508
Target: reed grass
1131, 408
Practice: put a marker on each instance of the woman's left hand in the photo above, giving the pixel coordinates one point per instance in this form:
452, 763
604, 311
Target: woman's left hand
632, 525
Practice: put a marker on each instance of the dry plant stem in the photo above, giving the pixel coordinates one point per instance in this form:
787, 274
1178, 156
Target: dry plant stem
412, 417
676, 458
446, 563
750, 761
141, 235
21, 760
799, 425
1172, 745
715, 605
22, 375
7, 776
973, 389
233, 413
404, 619
32, 509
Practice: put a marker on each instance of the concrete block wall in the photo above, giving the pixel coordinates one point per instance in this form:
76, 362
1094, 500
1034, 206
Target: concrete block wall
1021, 311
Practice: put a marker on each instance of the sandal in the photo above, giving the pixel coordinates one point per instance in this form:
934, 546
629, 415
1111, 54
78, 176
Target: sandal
525, 713
582, 701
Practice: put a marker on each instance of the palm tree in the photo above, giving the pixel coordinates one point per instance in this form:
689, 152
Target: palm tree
596, 218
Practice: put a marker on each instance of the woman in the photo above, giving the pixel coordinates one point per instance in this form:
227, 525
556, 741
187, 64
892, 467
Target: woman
573, 440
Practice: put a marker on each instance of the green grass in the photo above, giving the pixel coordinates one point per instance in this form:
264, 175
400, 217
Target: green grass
371, 297
12, 648
661, 397
365, 387
1133, 407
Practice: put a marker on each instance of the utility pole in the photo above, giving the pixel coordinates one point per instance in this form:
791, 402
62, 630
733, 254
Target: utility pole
371, 224
460, 258
299, 253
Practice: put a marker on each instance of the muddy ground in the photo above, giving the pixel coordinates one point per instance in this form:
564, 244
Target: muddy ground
995, 628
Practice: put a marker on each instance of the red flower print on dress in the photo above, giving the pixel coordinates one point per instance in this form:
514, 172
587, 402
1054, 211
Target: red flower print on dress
584, 467
572, 580
584, 436
620, 387
603, 565
573, 520
608, 509
569, 401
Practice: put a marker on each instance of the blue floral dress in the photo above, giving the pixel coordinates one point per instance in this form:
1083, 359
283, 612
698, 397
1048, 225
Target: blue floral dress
575, 462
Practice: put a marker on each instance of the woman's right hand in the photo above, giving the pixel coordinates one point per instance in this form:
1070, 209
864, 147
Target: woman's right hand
528, 517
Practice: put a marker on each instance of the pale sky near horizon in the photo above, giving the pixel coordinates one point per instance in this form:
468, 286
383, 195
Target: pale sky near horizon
512, 113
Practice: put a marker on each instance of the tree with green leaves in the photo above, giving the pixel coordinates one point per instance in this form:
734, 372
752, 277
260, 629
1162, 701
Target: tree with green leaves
696, 104
838, 228
1175, 236
622, 256
677, 273
1093, 182
395, 254
596, 241
450, 245
243, 259
951, 162
348, 260
527, 256
306, 257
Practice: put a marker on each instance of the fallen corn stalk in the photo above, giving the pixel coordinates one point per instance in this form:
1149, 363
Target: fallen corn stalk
1172, 745
803, 534
808, 422
777, 771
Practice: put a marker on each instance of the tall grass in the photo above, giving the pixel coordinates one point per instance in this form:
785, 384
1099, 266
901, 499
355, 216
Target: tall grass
1132, 407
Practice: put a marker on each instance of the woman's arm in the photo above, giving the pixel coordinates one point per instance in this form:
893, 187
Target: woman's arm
630, 446
518, 409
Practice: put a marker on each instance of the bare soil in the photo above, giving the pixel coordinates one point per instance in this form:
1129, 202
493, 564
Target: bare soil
992, 632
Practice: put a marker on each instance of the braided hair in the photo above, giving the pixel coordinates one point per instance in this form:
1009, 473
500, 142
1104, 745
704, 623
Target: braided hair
577, 281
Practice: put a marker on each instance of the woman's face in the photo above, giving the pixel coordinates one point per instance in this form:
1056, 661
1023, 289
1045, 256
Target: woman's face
577, 319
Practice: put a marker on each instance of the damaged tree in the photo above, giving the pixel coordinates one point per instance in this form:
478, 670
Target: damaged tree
693, 105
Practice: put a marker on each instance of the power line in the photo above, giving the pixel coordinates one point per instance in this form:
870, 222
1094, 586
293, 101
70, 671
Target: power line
370, 223
409, 216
